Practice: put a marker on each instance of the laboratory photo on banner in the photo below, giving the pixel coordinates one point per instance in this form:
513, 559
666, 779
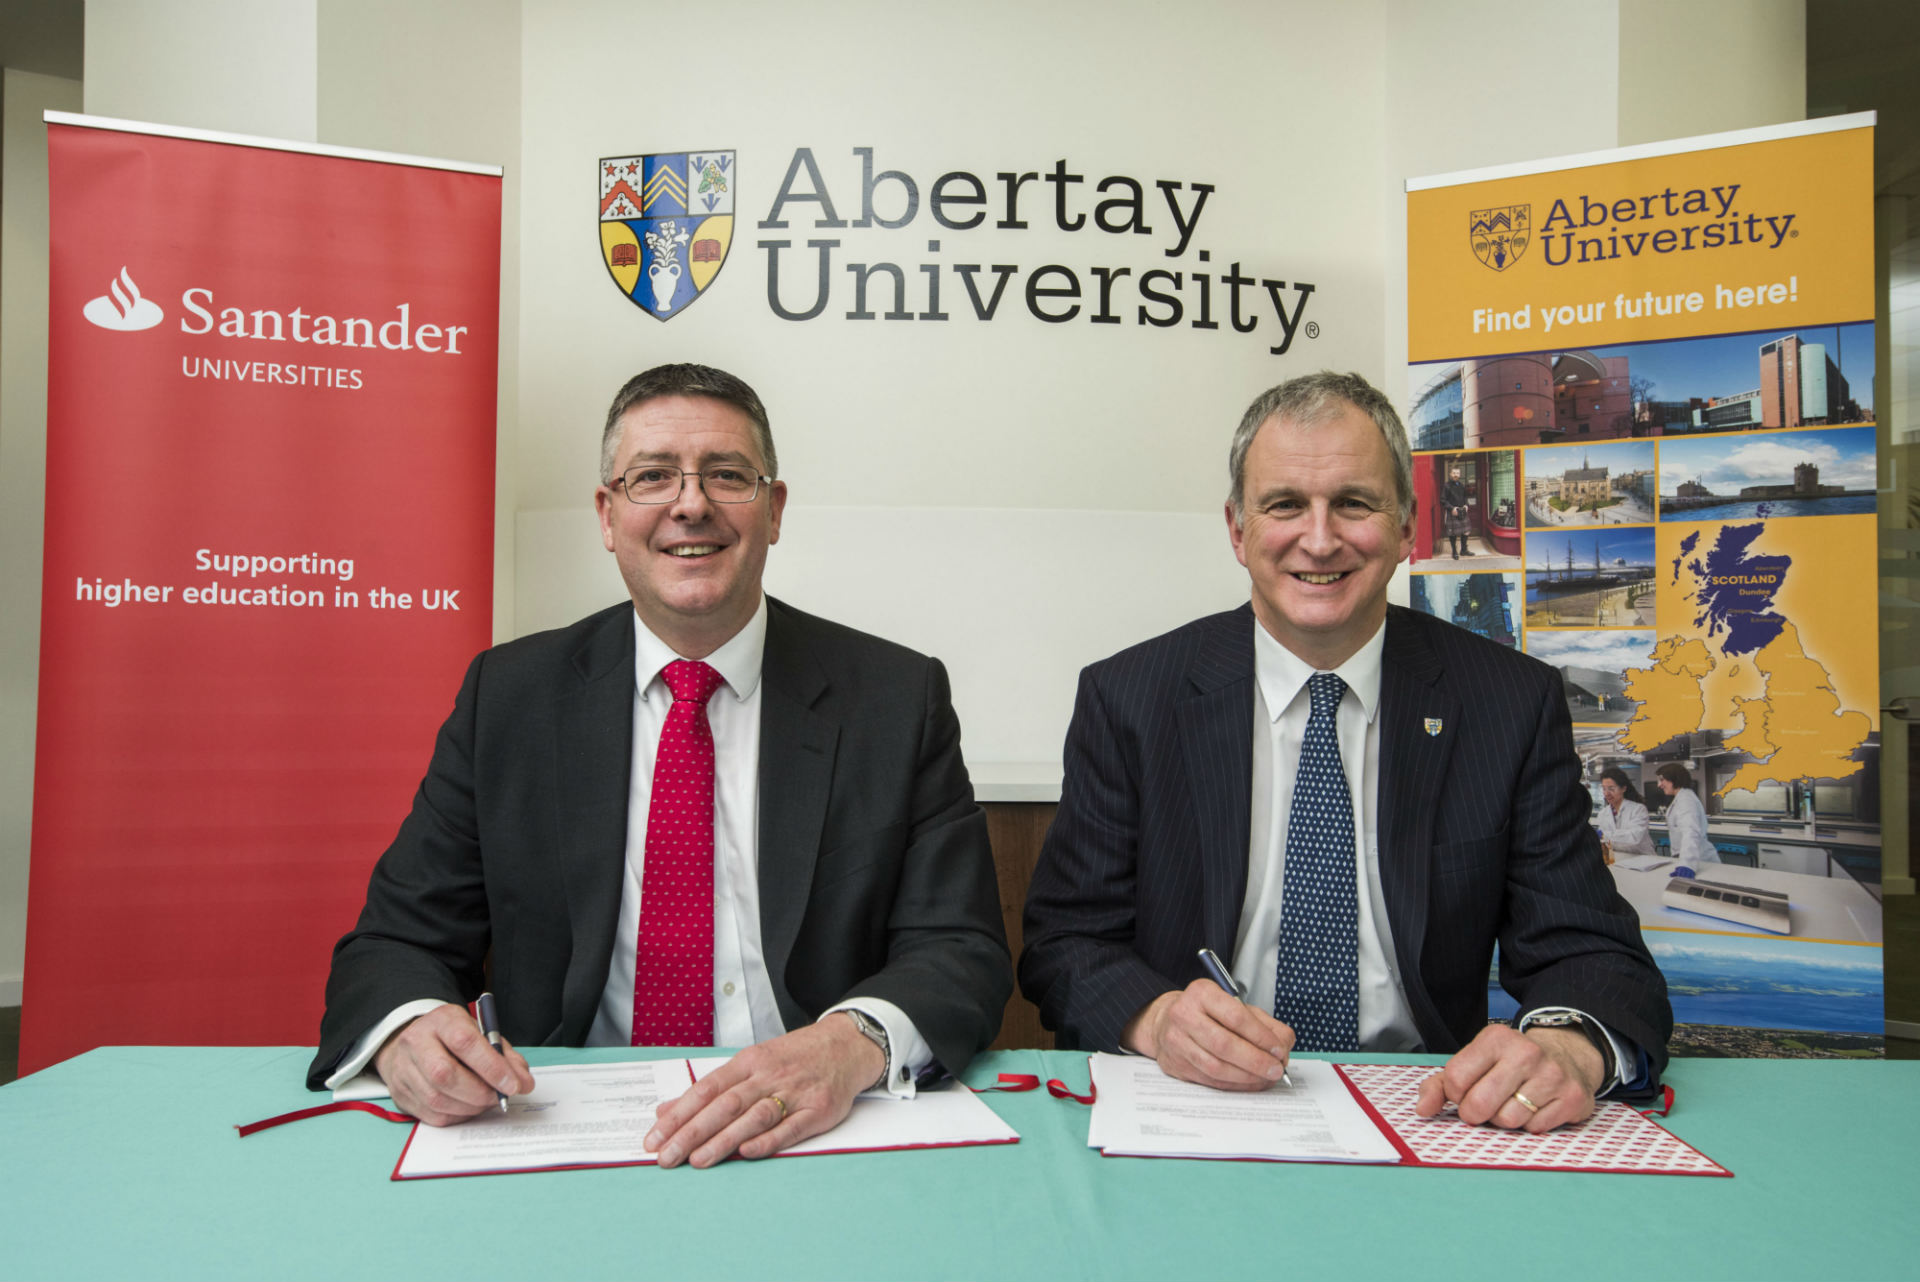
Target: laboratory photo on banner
1697, 530
1772, 946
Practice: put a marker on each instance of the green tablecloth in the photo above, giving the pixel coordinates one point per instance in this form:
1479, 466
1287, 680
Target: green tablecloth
123, 1163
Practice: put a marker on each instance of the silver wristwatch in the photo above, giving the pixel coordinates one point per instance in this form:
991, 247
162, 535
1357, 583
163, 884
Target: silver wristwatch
1610, 1074
874, 1031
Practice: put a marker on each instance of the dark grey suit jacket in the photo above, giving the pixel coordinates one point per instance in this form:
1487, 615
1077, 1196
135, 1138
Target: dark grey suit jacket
1483, 837
875, 874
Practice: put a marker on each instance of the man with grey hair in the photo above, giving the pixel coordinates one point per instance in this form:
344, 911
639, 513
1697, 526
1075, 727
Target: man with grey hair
698, 818
1349, 804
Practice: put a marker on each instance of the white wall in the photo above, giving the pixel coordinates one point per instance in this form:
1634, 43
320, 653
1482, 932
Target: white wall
242, 66
1707, 66
23, 467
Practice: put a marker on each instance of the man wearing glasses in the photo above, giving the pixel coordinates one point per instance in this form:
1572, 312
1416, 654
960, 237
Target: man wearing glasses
698, 818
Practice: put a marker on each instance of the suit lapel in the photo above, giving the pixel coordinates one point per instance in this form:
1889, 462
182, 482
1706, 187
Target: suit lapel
797, 746
1216, 736
1419, 718
592, 756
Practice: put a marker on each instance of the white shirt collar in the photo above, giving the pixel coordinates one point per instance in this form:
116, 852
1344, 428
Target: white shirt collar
737, 662
1282, 674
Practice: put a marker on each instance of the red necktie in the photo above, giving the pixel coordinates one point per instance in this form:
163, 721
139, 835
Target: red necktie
673, 972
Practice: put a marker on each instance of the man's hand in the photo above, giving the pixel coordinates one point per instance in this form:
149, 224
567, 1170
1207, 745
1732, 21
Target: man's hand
814, 1071
441, 1070
1557, 1069
1200, 1034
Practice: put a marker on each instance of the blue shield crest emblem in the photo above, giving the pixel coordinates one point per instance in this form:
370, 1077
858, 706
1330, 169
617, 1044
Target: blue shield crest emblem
1500, 236
666, 223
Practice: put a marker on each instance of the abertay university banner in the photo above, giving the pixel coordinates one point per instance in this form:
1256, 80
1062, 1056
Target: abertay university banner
1647, 375
269, 541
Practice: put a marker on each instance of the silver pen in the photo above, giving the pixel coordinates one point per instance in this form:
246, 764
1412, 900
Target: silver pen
1217, 970
490, 1029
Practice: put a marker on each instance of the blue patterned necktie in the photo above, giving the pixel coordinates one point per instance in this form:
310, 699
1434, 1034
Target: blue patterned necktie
1317, 989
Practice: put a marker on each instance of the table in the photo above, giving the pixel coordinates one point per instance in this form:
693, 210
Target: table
123, 1163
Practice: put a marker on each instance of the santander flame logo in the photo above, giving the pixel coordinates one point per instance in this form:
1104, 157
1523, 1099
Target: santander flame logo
125, 309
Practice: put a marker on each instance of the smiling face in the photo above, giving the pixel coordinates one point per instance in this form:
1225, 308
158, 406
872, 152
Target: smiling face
1613, 793
692, 566
1666, 785
1321, 533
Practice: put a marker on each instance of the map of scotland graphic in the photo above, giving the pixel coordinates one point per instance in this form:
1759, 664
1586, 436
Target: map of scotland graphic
1754, 644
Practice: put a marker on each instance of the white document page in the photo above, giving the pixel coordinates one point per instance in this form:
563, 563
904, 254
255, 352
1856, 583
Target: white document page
938, 1117
576, 1115
1139, 1111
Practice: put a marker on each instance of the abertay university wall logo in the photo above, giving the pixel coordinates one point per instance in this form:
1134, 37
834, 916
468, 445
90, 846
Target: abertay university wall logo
1500, 235
666, 223
122, 306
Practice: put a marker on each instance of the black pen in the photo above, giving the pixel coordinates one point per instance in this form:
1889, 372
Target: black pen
490, 1029
1217, 970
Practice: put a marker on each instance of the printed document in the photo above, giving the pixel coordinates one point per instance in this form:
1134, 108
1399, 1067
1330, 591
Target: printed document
936, 1117
599, 1115
576, 1115
1139, 1111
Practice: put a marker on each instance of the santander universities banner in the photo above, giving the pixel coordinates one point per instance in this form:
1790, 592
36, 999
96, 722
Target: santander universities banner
269, 538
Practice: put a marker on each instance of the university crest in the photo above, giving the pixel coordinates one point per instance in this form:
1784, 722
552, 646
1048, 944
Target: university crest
1500, 235
666, 223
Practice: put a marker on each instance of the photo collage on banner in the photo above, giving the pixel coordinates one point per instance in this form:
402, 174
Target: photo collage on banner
1640, 397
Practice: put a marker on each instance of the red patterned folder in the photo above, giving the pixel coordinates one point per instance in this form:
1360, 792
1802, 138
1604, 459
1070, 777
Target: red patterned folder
1617, 1138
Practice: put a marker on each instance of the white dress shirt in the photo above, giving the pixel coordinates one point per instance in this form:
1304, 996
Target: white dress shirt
1281, 710
744, 1008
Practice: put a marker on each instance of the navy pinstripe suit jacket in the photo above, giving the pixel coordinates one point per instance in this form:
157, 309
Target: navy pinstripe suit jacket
1483, 837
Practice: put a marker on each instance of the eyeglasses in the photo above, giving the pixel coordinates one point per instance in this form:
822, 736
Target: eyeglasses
652, 483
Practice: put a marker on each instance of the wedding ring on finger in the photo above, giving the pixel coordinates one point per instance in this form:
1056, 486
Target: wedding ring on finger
783, 1107
1528, 1104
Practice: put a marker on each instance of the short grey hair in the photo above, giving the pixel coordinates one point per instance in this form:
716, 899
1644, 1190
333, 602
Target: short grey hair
686, 380
1314, 398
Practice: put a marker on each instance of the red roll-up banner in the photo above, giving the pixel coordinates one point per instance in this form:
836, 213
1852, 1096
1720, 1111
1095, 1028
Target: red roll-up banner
269, 553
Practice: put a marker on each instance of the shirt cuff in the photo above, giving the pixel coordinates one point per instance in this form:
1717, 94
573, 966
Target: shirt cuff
1625, 1053
907, 1050
361, 1055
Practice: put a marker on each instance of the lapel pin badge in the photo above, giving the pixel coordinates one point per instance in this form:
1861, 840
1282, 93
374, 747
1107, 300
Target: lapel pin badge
1433, 725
